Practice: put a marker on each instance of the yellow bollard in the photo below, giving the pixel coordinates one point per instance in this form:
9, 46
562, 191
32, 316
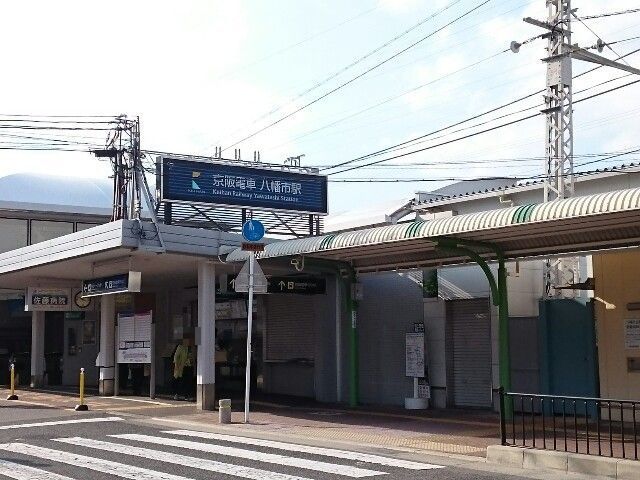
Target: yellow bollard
81, 407
13, 395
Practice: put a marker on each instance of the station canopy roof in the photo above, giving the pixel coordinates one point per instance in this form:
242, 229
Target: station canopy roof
579, 224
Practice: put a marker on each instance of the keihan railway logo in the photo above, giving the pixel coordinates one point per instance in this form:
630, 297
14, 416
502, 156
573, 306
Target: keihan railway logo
194, 185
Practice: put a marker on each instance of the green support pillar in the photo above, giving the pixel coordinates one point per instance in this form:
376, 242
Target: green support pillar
503, 331
500, 299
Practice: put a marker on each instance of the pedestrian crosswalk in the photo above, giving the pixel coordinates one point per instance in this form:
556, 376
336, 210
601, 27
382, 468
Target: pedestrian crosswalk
181, 454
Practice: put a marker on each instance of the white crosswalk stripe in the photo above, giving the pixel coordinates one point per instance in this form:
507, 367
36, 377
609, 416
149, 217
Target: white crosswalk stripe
104, 466
327, 452
307, 464
176, 459
19, 471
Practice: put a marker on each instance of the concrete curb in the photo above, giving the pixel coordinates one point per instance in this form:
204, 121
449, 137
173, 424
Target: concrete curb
532, 459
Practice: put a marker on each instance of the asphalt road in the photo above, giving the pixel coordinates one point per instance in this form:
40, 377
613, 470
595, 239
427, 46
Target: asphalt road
49, 444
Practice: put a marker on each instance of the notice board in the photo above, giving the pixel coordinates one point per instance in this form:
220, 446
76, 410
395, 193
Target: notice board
134, 338
414, 353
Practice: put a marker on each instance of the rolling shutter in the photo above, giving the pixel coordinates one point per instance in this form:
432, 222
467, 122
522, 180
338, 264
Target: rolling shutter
289, 328
470, 347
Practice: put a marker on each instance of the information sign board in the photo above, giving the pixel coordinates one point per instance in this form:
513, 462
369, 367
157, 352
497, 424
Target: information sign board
298, 285
191, 181
414, 352
124, 282
47, 299
632, 333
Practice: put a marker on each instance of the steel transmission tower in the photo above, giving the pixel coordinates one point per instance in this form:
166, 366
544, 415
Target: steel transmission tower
558, 181
558, 173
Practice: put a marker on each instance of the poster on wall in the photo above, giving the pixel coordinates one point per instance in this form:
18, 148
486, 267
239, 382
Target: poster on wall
414, 352
88, 332
134, 338
632, 333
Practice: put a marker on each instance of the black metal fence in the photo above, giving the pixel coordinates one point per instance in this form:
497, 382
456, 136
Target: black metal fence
593, 426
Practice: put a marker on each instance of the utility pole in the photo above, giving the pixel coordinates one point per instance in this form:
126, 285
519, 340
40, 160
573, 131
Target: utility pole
558, 167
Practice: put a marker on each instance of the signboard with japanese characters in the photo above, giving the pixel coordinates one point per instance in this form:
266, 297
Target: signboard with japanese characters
41, 299
56, 299
191, 181
298, 285
121, 283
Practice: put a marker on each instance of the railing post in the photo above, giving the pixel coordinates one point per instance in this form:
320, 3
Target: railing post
503, 427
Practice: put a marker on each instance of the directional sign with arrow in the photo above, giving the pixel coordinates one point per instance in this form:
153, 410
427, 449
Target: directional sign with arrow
299, 285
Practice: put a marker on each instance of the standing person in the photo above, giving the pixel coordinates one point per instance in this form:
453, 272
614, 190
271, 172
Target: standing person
180, 360
189, 376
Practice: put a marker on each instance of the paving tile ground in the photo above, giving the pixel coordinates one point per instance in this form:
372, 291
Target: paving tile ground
446, 432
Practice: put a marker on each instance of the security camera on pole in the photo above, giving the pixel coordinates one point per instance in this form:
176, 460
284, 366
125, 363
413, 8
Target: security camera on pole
251, 279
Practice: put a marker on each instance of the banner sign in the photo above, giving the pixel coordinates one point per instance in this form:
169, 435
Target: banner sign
299, 285
134, 338
124, 282
191, 181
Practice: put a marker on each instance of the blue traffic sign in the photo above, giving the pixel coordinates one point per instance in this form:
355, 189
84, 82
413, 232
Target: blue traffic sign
253, 230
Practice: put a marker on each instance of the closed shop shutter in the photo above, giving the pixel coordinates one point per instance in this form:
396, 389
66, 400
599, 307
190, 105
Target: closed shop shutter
289, 328
469, 333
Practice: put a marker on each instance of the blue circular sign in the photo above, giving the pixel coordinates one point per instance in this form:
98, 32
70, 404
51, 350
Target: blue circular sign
253, 230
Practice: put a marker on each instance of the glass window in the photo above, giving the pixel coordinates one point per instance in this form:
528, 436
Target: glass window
84, 226
13, 234
43, 230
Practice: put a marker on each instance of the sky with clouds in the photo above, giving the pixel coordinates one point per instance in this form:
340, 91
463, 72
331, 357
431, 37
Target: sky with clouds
202, 74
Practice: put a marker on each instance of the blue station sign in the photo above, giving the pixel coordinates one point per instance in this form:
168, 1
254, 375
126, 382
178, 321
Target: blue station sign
121, 283
190, 181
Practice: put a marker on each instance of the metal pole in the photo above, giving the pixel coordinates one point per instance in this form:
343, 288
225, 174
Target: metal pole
13, 395
81, 407
503, 335
116, 365
353, 343
152, 367
338, 338
247, 388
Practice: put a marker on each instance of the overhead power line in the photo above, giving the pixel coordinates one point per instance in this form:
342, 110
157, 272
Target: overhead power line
466, 120
480, 132
298, 43
353, 79
396, 97
347, 67
458, 178
611, 14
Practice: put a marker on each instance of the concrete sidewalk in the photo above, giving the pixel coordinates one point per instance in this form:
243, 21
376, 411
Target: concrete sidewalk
448, 432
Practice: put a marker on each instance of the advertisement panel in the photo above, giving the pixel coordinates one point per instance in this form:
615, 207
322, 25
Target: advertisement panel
190, 181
